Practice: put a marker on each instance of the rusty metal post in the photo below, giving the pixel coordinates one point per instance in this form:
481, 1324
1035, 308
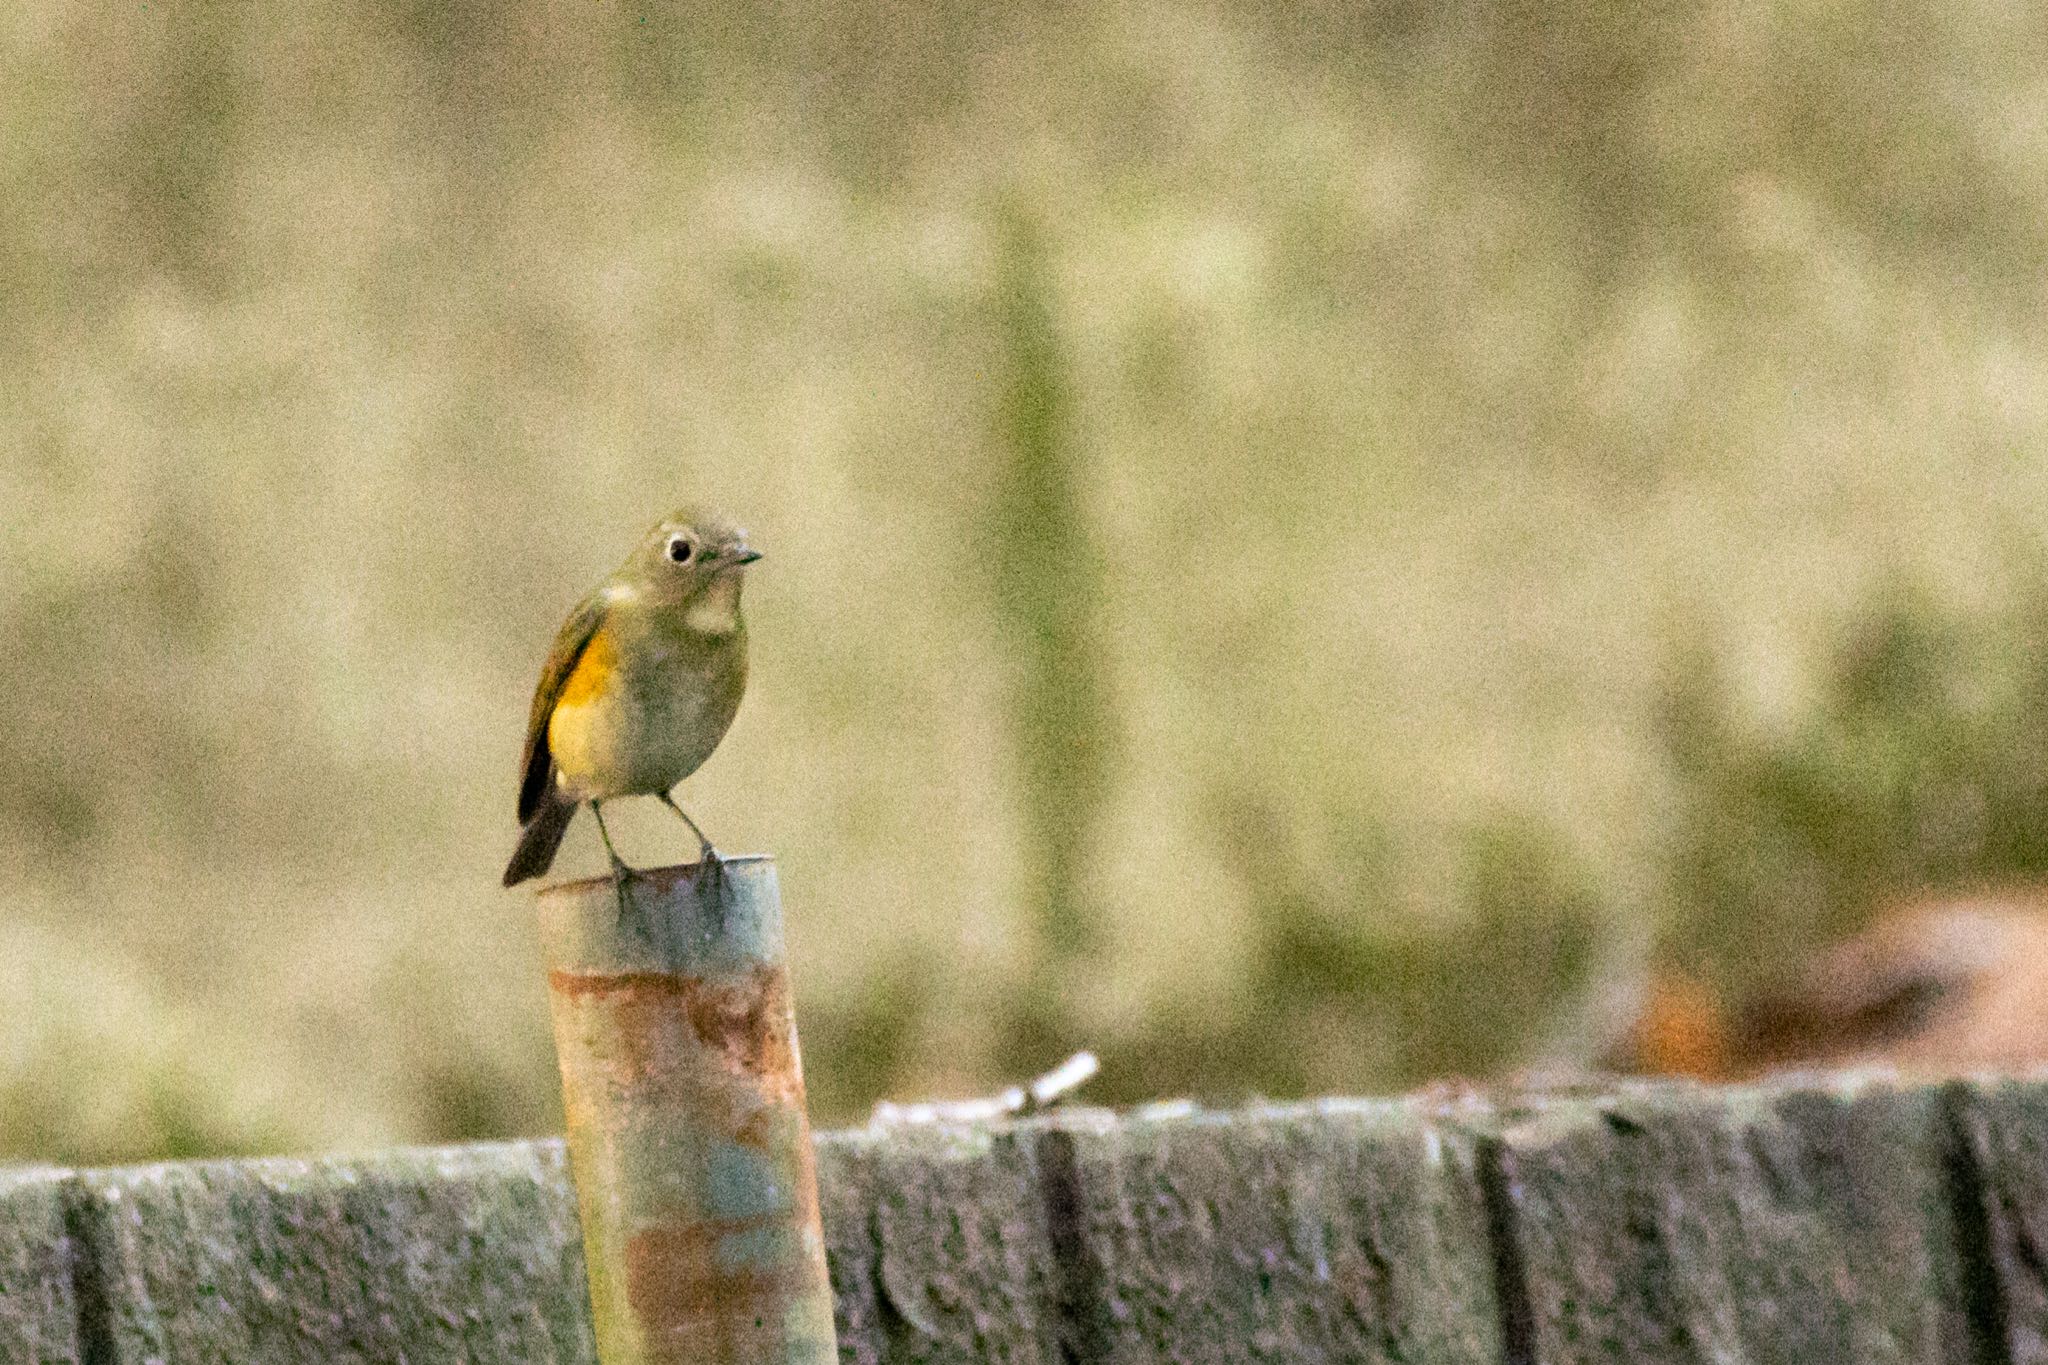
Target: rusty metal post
687, 1131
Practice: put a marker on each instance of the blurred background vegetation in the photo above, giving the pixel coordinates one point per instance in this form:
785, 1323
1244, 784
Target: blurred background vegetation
1309, 544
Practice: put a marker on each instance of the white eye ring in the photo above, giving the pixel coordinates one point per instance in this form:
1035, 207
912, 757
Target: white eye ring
680, 549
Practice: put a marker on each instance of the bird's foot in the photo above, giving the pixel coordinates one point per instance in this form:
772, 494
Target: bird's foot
709, 884
622, 879
710, 875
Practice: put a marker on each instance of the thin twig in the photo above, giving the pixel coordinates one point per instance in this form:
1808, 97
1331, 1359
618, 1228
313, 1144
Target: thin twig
1044, 1093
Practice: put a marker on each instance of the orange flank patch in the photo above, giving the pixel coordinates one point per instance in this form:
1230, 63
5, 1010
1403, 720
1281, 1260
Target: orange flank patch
570, 734
592, 672
1681, 1031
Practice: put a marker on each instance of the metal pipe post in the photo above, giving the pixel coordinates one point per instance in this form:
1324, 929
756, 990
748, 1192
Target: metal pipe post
687, 1131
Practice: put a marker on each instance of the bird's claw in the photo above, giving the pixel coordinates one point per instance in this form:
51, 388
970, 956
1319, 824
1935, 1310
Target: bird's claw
622, 879
710, 867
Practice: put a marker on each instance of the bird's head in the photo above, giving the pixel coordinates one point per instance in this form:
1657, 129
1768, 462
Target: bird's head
693, 558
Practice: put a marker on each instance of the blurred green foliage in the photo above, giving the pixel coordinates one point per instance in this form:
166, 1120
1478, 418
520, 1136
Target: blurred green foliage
1306, 543
1922, 761
1048, 586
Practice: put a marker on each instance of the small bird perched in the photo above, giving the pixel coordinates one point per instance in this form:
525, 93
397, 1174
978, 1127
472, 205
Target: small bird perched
643, 679
1938, 987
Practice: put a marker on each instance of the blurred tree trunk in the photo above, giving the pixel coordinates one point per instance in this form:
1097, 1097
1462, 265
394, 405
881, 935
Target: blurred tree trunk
1047, 588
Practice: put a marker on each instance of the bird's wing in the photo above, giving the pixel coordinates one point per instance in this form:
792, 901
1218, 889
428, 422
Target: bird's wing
570, 643
1846, 1000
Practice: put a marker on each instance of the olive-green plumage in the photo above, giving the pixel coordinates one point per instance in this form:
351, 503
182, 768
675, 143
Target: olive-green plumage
644, 678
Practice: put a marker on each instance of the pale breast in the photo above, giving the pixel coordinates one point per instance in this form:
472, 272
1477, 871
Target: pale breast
664, 705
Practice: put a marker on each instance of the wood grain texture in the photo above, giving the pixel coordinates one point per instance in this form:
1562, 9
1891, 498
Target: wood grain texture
39, 1308
1842, 1219
2002, 1135
939, 1247
462, 1254
1767, 1224
1344, 1230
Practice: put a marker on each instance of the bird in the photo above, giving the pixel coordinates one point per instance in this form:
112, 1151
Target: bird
642, 683
1935, 987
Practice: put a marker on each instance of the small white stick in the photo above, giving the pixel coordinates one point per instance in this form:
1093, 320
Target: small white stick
1045, 1092
1063, 1080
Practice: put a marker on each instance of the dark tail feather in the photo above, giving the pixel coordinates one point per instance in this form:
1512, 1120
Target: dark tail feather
543, 835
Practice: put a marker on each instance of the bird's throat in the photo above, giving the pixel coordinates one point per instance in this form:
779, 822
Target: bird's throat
716, 610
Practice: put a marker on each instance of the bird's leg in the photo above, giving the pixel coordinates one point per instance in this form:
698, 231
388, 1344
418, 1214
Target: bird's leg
621, 874
710, 864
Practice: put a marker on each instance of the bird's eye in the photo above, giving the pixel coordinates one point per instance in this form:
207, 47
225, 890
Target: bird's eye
680, 549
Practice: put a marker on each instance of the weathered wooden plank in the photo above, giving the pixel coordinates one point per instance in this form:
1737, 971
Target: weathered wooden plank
1830, 1222
846, 1194
1344, 1230
38, 1295
937, 1241
937, 1246
2003, 1126
1773, 1224
459, 1254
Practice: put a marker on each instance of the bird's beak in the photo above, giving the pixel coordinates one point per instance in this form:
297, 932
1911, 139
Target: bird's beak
745, 556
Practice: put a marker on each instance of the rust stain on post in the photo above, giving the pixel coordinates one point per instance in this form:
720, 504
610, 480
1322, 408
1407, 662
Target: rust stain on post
687, 1133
